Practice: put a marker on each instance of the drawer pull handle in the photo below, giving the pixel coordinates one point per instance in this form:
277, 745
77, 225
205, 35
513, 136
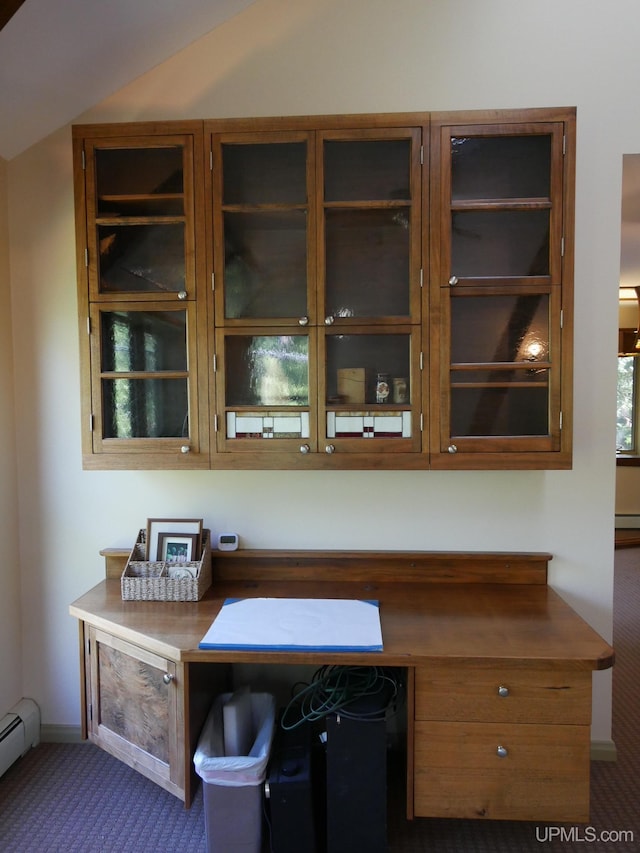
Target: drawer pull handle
168, 678
502, 752
503, 691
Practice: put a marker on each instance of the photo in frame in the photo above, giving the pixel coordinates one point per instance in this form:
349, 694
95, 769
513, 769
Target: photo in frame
176, 527
178, 547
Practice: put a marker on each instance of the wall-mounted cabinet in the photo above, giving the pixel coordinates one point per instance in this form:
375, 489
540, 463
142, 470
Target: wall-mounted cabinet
375, 291
501, 289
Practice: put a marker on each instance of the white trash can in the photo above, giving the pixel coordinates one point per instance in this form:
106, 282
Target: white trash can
233, 784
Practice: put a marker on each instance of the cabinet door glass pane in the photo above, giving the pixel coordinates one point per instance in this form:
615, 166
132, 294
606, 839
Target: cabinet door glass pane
265, 272
267, 173
145, 408
143, 341
490, 329
367, 262
518, 407
493, 398
141, 258
267, 370
500, 243
367, 170
140, 181
505, 167
356, 362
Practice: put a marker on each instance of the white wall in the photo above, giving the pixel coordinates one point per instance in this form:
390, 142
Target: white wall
10, 664
325, 56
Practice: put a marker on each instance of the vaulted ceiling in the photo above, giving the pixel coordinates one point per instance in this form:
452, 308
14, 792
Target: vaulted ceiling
58, 58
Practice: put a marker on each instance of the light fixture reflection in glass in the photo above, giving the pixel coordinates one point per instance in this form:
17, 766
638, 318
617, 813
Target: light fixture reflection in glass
533, 350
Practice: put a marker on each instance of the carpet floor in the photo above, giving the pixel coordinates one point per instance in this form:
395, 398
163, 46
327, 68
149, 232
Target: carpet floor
63, 798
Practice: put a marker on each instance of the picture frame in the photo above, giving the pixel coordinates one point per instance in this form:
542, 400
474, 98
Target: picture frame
174, 526
177, 548
180, 572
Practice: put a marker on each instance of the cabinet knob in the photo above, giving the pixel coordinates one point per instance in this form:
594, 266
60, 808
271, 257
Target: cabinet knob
329, 321
502, 751
503, 691
453, 280
303, 321
168, 678
182, 294
452, 448
304, 448
185, 449
330, 448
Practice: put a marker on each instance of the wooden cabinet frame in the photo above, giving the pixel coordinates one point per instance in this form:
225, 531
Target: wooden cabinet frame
432, 444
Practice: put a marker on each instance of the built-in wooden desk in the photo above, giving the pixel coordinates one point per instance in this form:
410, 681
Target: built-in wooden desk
499, 671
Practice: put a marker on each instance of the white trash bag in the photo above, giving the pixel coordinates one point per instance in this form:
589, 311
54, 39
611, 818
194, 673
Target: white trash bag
234, 771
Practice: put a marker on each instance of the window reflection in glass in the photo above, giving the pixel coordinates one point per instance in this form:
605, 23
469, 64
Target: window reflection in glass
267, 370
145, 408
626, 404
144, 342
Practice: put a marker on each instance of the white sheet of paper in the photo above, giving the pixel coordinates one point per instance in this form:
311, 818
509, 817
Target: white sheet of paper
329, 624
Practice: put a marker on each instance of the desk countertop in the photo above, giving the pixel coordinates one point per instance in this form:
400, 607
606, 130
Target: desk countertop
521, 624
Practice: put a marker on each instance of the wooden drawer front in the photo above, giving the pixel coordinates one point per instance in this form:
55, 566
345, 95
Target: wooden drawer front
543, 776
509, 694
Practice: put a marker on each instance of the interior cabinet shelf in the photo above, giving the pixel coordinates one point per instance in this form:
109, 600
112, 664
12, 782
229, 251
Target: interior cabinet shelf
501, 204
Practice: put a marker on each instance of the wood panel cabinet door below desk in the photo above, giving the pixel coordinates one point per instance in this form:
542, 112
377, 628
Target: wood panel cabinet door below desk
132, 708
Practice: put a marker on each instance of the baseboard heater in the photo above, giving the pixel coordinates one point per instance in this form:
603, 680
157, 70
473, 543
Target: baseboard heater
19, 731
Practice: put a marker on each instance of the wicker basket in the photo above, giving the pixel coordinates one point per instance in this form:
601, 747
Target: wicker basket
153, 581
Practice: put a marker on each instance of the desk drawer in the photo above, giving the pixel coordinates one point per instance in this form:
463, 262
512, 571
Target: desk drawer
502, 771
445, 691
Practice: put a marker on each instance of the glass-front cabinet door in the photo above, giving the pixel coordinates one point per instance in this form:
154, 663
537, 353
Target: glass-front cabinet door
369, 247
263, 227
142, 306
317, 252
367, 388
140, 207
497, 288
266, 396
142, 383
